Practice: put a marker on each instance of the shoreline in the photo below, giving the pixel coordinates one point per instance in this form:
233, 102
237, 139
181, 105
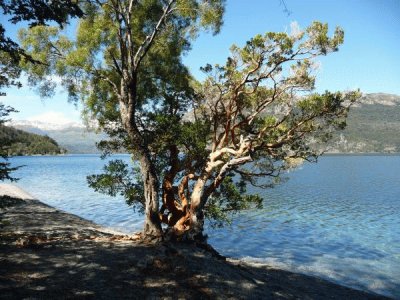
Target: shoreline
43, 250
361, 154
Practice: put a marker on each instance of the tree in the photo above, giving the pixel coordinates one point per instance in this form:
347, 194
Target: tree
36, 13
195, 146
124, 61
5, 167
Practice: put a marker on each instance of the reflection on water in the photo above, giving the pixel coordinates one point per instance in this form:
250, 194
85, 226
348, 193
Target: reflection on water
338, 219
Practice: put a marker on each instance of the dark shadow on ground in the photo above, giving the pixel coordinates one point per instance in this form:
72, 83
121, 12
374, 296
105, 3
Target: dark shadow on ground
75, 259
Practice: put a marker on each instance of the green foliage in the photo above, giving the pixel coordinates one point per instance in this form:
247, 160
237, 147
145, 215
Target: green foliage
5, 142
23, 143
9, 71
251, 119
40, 12
230, 199
36, 13
119, 179
265, 116
263, 58
84, 63
91, 66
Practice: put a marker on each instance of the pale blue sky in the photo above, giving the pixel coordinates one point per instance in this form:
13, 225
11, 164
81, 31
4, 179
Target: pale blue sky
369, 58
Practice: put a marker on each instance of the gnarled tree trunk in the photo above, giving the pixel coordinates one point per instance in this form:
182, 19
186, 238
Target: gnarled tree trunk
185, 218
152, 225
196, 209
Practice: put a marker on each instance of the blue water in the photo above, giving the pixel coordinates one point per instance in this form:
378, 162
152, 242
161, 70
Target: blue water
338, 219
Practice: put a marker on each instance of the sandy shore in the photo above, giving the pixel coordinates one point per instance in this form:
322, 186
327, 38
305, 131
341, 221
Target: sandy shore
49, 254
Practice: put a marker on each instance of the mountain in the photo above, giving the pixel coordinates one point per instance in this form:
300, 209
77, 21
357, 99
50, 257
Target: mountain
373, 125
74, 137
77, 140
45, 126
25, 143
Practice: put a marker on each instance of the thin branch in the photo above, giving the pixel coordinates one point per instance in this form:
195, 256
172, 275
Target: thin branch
96, 72
116, 65
146, 44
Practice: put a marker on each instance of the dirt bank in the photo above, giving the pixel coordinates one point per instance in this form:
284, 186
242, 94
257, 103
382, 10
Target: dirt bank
49, 254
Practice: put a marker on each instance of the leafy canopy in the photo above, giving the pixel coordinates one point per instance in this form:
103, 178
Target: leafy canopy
251, 119
38, 12
35, 13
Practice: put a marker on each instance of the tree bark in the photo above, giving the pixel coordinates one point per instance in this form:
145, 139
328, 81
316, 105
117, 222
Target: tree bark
196, 231
196, 209
152, 226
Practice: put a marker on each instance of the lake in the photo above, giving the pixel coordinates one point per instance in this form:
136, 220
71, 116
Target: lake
338, 219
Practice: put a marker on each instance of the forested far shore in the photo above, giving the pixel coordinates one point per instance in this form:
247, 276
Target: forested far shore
372, 127
25, 143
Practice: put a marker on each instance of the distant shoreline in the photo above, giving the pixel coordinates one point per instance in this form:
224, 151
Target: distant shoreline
362, 154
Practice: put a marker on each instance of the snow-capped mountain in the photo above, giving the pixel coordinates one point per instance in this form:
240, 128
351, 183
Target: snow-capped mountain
44, 126
373, 126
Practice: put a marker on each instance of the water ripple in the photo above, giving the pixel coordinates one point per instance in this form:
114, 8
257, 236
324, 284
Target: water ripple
338, 219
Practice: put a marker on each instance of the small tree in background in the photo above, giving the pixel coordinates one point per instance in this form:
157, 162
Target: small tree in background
5, 166
195, 146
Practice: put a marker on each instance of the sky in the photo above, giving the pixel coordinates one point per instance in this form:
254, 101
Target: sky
368, 60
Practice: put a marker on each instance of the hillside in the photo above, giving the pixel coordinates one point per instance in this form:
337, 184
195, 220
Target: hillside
373, 125
25, 143
74, 138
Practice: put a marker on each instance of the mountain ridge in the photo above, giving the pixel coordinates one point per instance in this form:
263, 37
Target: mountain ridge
74, 137
373, 127
20, 142
44, 125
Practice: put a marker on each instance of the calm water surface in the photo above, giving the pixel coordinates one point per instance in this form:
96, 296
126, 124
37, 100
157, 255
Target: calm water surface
338, 219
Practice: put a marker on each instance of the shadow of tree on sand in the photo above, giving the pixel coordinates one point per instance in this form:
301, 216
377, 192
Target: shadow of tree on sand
75, 259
